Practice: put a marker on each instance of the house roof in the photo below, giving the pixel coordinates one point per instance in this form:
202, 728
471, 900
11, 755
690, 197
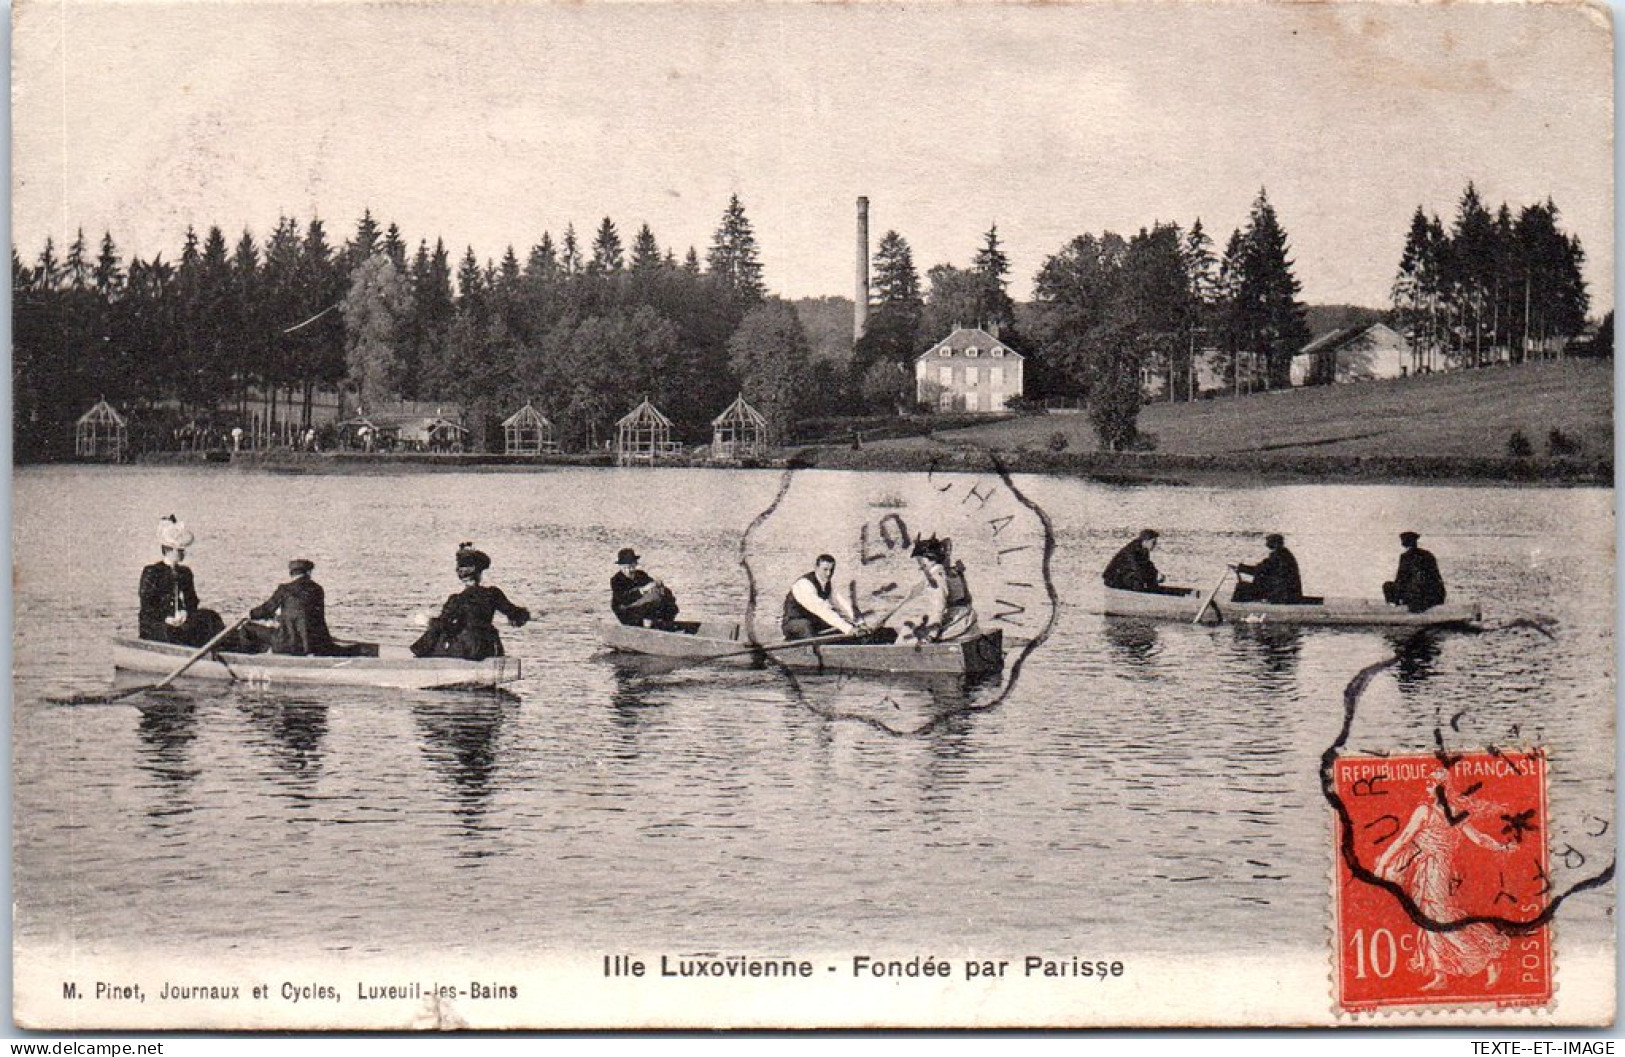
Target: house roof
739, 411
643, 412
102, 412
526, 416
1343, 337
967, 338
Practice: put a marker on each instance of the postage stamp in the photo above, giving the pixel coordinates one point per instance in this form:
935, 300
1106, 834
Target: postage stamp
1442, 881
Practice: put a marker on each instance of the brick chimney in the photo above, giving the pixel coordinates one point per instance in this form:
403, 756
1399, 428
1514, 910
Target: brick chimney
860, 289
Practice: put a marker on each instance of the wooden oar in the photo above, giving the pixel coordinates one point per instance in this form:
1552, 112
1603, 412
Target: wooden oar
833, 638
202, 651
1201, 611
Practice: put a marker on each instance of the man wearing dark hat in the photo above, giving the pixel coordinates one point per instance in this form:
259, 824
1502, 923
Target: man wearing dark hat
1131, 569
1418, 585
1275, 579
299, 608
637, 598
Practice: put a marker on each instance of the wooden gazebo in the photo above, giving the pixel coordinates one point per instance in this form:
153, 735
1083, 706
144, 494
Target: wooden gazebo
740, 432
101, 433
644, 435
528, 432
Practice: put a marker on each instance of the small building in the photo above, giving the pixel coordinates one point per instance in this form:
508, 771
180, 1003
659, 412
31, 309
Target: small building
528, 432
405, 425
969, 370
101, 433
430, 433
740, 432
1353, 354
644, 435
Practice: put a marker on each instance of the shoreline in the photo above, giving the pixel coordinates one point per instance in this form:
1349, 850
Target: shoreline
1241, 469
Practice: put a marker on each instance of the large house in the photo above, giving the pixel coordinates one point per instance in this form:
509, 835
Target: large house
1352, 354
969, 370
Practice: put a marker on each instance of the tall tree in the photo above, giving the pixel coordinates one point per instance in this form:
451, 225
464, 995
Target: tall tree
733, 259
645, 251
893, 332
607, 255
376, 311
1267, 320
996, 311
770, 356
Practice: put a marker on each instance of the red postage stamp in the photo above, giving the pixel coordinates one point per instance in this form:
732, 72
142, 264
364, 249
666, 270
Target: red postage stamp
1442, 881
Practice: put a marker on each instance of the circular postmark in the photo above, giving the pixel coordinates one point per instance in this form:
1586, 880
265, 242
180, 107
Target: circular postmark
933, 590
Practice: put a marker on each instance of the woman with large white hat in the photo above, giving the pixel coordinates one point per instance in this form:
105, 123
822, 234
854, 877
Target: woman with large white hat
169, 608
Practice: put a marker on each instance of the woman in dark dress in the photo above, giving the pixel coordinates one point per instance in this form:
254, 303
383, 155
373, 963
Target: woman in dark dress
464, 627
169, 609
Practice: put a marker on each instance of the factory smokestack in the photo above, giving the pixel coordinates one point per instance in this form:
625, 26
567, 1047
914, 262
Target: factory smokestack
860, 290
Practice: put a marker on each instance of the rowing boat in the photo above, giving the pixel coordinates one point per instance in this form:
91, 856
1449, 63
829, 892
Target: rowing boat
388, 666
1357, 612
713, 640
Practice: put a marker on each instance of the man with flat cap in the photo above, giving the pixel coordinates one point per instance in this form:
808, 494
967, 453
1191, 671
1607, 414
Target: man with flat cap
299, 608
1274, 580
1131, 569
1418, 585
636, 598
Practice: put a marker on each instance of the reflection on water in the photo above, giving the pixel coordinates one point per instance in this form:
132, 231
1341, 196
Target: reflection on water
1153, 781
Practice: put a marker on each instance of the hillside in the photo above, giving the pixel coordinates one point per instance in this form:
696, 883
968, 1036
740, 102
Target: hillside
1463, 414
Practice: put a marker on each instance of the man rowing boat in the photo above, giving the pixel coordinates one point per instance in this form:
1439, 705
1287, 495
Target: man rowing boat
1275, 579
299, 608
813, 608
1131, 568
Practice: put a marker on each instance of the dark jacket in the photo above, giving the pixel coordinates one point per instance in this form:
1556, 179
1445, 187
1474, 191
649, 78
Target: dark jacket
1418, 584
1275, 579
791, 622
165, 590
1131, 569
464, 629
632, 606
300, 608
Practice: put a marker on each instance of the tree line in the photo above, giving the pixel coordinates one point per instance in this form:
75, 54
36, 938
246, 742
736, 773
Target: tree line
585, 329
582, 328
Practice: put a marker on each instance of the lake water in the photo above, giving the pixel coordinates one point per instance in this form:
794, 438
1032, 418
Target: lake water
1135, 786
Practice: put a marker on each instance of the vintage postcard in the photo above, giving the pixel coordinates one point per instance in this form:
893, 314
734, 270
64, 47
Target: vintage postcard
708, 515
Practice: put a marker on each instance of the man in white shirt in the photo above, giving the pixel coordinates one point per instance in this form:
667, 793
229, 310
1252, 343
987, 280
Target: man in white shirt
813, 608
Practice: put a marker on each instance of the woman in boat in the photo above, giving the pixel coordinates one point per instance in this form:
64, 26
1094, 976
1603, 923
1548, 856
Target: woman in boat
464, 627
169, 608
942, 599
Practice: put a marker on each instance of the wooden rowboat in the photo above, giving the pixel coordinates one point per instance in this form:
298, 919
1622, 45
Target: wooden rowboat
389, 666
1354, 612
712, 640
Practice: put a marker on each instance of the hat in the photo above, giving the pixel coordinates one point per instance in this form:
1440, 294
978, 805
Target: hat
469, 558
1148, 534
300, 566
173, 534
628, 556
1275, 539
1408, 538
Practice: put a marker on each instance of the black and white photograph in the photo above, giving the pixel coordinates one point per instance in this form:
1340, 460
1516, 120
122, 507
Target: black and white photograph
682, 515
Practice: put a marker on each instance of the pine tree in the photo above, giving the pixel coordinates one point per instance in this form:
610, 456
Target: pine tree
733, 258
607, 255
645, 251
1267, 318
995, 310
893, 331
543, 263
108, 276
77, 263
570, 253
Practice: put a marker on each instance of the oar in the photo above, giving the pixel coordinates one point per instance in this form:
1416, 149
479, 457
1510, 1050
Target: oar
202, 651
833, 638
1201, 610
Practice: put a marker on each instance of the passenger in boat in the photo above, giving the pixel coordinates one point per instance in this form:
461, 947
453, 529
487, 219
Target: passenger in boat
299, 608
943, 605
1274, 580
1418, 585
1131, 569
464, 627
169, 609
638, 599
812, 607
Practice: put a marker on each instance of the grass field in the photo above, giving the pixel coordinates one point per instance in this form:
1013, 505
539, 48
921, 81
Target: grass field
1462, 414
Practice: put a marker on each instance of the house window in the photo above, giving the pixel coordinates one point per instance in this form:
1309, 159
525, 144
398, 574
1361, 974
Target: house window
997, 351
945, 375
945, 351
998, 375
972, 352
945, 401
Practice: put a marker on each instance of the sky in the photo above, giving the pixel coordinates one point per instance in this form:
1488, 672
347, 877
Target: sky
488, 124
